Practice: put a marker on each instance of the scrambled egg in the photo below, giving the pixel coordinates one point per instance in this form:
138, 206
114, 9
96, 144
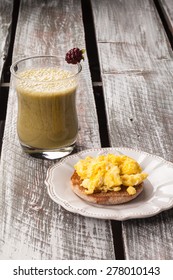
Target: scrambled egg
108, 172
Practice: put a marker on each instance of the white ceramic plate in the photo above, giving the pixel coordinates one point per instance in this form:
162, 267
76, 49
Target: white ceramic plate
156, 197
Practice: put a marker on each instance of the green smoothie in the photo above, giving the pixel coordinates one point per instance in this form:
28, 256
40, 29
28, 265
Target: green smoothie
47, 116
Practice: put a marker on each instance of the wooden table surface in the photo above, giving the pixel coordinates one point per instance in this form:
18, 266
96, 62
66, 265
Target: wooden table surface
125, 99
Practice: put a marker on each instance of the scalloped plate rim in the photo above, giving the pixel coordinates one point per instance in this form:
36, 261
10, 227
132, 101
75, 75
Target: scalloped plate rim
66, 205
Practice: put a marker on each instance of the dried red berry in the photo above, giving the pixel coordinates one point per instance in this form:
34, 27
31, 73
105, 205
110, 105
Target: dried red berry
74, 56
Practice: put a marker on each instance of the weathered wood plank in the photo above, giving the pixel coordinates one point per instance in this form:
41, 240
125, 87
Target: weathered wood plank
34, 227
129, 35
167, 8
141, 117
6, 7
136, 67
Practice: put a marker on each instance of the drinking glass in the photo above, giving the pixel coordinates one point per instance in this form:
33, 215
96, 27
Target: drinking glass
46, 87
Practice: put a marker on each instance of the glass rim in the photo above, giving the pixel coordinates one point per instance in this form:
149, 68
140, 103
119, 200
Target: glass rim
14, 64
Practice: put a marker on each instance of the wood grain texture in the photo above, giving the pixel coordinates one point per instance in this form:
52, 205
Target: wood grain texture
6, 7
32, 225
167, 8
136, 66
129, 35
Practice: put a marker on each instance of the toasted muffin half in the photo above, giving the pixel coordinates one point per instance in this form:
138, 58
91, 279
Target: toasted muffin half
107, 198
